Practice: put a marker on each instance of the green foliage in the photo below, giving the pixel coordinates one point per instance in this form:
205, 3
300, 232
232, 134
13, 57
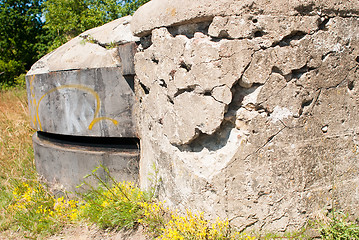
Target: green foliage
35, 211
115, 206
337, 227
67, 19
130, 6
20, 81
25, 36
8, 72
20, 28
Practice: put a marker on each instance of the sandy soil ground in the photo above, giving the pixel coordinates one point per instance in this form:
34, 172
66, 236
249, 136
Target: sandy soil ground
84, 232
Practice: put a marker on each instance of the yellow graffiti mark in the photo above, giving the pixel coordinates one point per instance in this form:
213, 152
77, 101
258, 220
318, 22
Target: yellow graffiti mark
31, 86
95, 120
73, 86
32, 102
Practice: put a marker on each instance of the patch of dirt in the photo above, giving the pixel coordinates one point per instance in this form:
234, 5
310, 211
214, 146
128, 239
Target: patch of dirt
85, 232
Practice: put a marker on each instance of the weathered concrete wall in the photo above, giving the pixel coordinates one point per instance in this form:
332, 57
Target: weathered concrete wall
82, 102
84, 90
249, 109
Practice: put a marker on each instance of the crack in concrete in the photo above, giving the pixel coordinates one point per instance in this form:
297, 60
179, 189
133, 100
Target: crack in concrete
286, 40
290, 127
258, 149
316, 99
145, 89
308, 10
189, 88
342, 82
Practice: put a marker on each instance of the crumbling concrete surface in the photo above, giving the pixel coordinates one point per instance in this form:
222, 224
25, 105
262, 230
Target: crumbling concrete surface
248, 109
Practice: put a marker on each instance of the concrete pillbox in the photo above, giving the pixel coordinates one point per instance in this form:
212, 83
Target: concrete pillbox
81, 100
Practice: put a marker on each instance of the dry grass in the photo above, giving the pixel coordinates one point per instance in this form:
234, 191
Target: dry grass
16, 154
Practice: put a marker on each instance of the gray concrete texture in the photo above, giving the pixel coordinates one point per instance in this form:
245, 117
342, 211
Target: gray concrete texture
85, 102
249, 109
64, 164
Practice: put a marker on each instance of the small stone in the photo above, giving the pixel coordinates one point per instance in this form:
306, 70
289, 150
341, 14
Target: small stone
325, 129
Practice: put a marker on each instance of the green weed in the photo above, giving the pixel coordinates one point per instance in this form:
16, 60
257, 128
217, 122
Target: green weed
116, 206
337, 226
34, 211
91, 39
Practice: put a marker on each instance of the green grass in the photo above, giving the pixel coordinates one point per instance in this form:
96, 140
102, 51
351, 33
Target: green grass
337, 226
28, 209
115, 206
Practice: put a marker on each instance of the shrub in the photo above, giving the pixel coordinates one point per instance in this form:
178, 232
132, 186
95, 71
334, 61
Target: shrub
9, 71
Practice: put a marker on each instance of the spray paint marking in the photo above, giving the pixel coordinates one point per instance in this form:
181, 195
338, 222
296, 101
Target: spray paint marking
32, 102
36, 104
95, 120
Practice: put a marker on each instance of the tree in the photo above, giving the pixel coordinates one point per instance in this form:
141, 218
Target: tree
31, 28
66, 19
20, 37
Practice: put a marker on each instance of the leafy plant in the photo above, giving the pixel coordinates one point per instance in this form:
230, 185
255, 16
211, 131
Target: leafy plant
31, 28
8, 72
338, 227
154, 217
20, 81
35, 211
115, 206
